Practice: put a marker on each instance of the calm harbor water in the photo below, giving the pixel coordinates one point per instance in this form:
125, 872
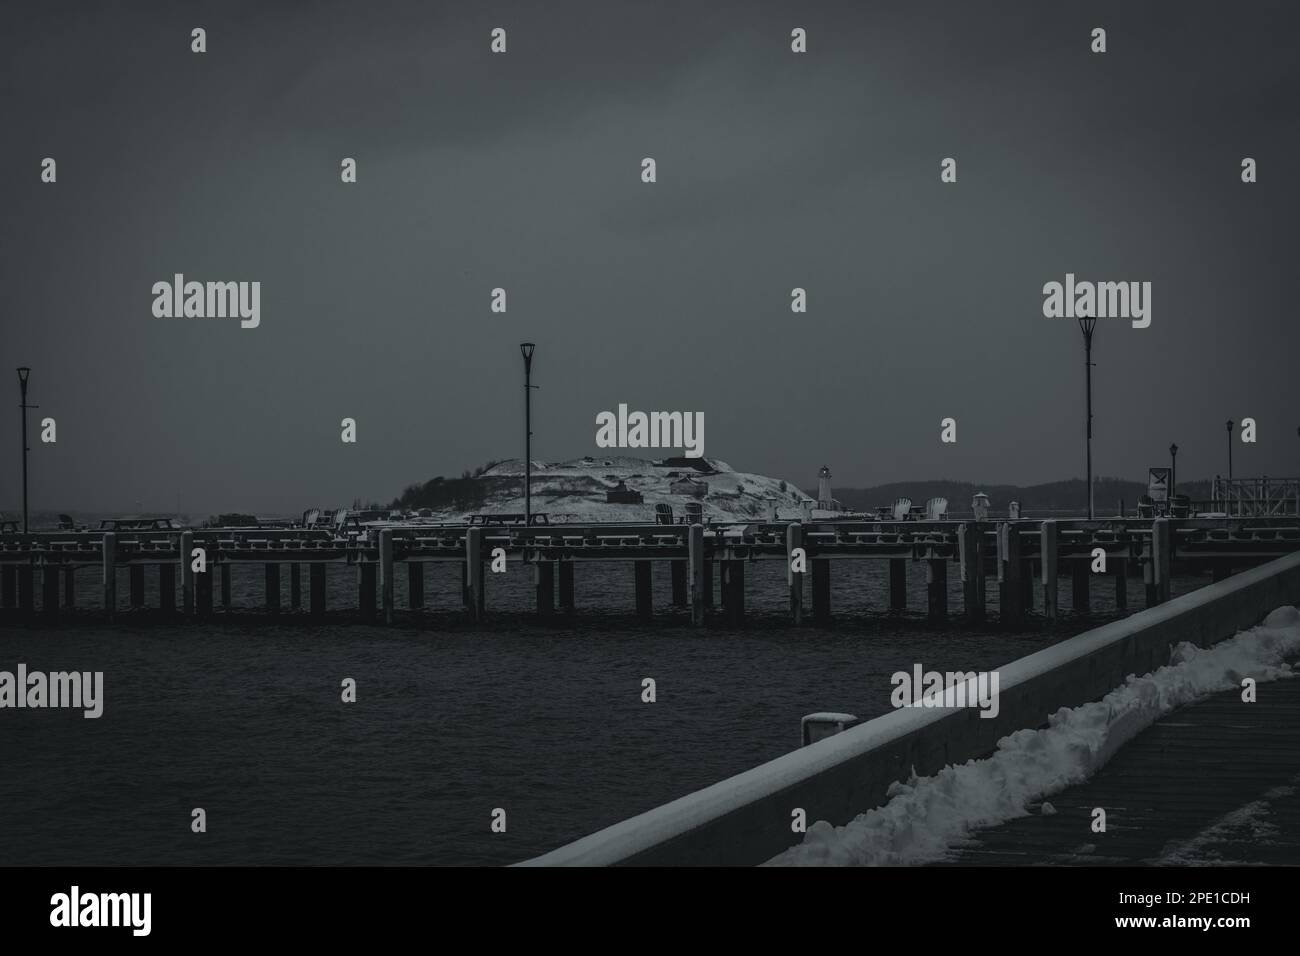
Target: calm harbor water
244, 718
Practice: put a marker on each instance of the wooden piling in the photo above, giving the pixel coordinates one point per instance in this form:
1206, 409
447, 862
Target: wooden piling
135, 580
8, 585
970, 539
1027, 586
203, 593
415, 585
167, 587
1119, 567
26, 588
1080, 573
708, 583
566, 584
109, 552
295, 585
386, 588
696, 562
821, 590
69, 588
1048, 551
1160, 554
272, 588
316, 582
1009, 574
50, 591
936, 582
681, 593
474, 572
187, 573
793, 540
544, 572
898, 584
225, 584
734, 586
644, 604
366, 573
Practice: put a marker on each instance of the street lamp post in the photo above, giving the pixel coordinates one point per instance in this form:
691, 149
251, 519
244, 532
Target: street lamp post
1087, 325
23, 406
1173, 471
527, 348
1230, 449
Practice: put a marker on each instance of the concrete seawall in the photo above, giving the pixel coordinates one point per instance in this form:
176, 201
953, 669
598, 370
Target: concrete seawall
745, 819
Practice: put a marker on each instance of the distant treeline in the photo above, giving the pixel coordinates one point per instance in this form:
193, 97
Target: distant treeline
466, 493
1055, 496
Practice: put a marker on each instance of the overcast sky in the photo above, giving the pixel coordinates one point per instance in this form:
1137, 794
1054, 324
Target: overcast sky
522, 170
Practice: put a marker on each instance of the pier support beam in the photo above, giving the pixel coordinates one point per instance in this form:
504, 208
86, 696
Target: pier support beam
415, 585
69, 588
696, 562
544, 575
272, 588
1119, 566
8, 585
474, 572
225, 585
821, 590
203, 593
26, 588
295, 585
167, 588
898, 584
794, 539
386, 588
1027, 587
734, 589
315, 581
1079, 602
936, 582
644, 604
708, 583
1047, 548
681, 594
187, 573
110, 574
566, 585
50, 591
135, 578
1009, 573
366, 573
1160, 559
971, 543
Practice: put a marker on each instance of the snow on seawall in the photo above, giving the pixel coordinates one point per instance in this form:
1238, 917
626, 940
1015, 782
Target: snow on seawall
926, 816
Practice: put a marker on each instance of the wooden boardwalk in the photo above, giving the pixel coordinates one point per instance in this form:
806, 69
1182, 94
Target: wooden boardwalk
1215, 782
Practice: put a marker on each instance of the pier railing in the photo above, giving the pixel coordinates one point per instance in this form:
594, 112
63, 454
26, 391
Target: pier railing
1024, 556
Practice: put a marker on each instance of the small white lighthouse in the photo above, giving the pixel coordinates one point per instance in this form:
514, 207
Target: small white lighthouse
824, 499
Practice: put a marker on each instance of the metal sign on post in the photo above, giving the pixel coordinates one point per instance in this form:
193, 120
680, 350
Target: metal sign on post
1158, 484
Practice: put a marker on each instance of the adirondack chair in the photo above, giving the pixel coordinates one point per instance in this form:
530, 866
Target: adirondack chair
902, 508
936, 509
1146, 507
663, 514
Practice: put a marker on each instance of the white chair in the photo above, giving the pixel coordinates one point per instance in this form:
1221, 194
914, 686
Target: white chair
902, 507
936, 509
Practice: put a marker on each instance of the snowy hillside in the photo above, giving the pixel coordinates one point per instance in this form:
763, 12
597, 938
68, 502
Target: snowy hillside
577, 490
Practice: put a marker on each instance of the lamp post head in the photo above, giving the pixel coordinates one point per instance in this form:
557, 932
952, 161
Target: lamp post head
1229, 424
526, 349
22, 375
1173, 451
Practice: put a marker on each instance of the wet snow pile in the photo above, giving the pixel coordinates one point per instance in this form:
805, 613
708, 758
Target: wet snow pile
926, 816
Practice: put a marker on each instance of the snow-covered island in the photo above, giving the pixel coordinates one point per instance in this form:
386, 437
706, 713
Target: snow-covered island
610, 488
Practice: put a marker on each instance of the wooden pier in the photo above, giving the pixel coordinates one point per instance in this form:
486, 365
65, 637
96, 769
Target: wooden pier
1026, 558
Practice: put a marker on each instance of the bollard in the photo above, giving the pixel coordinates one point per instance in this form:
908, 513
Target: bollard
971, 545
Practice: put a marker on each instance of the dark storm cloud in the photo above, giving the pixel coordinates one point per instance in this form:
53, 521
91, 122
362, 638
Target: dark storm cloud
522, 171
